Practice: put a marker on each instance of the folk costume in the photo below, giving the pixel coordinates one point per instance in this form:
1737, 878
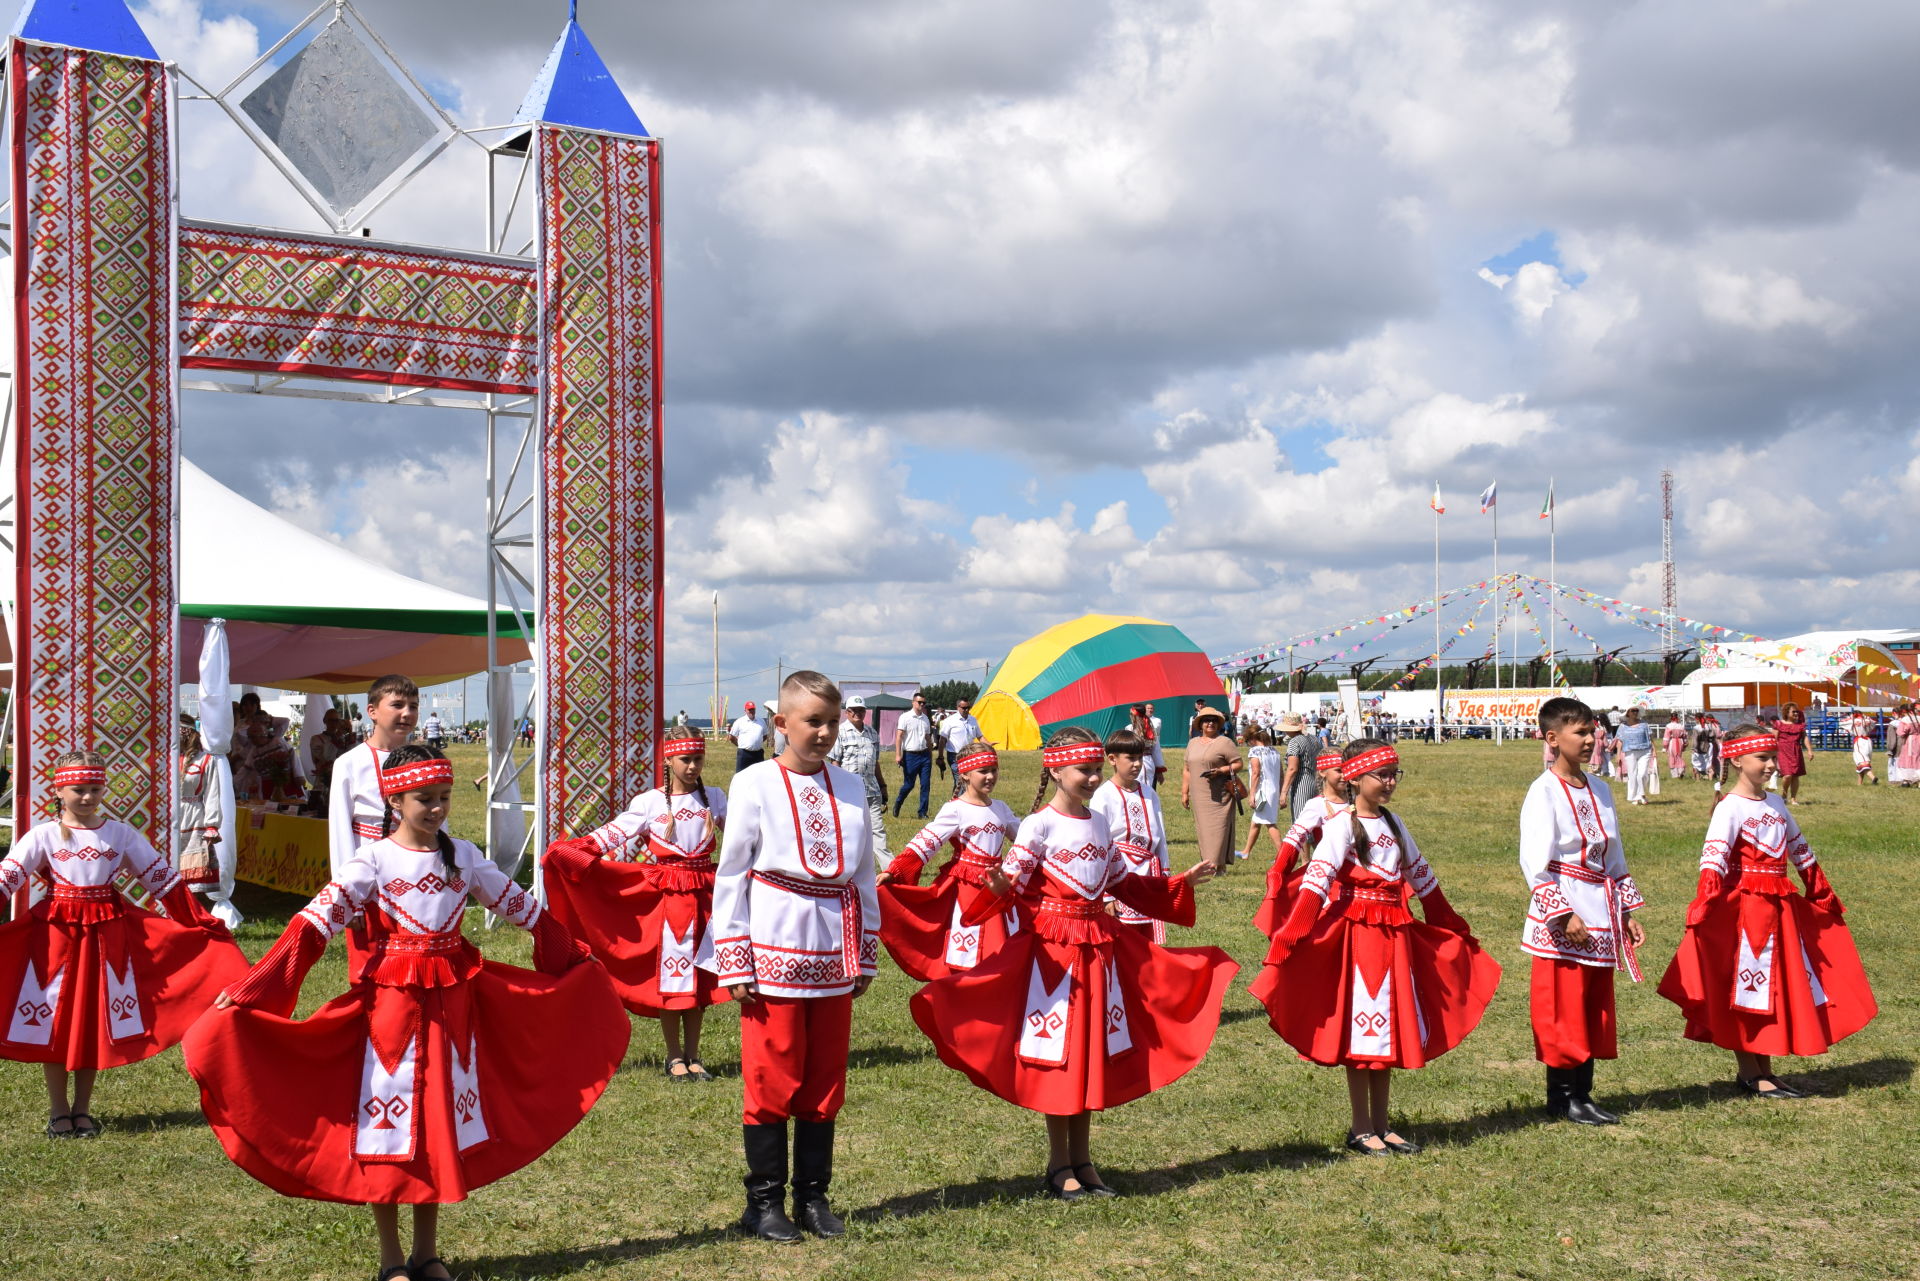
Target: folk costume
197, 821
1575, 865
639, 893
355, 813
92, 980
794, 913
1760, 968
1303, 837
1139, 832
1352, 979
1077, 1014
437, 1072
923, 926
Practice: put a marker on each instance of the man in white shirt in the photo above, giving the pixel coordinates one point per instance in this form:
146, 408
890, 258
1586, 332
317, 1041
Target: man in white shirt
749, 739
436, 731
957, 730
913, 753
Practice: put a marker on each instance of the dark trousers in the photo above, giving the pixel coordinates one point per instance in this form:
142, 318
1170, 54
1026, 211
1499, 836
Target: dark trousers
915, 765
743, 759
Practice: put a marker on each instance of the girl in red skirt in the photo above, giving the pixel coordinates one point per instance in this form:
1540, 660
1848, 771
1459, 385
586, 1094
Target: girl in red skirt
1303, 837
649, 920
922, 926
1352, 978
1075, 1014
1762, 970
438, 1072
94, 981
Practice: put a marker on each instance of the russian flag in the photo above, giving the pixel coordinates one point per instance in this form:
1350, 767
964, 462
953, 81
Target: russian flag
1486, 498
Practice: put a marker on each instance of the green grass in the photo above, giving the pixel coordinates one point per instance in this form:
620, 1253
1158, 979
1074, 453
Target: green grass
1233, 1172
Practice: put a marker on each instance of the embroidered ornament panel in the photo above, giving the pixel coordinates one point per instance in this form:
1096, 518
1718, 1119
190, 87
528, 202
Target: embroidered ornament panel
600, 512
96, 587
328, 307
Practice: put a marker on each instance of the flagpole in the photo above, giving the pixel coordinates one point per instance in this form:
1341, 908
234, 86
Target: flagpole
1439, 706
1499, 609
1553, 584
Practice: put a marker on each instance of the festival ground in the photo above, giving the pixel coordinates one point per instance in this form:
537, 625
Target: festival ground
1235, 1171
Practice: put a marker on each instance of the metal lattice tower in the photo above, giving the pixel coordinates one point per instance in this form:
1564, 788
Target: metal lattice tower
1668, 593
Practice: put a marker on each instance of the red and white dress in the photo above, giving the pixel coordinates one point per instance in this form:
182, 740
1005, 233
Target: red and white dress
639, 893
199, 817
92, 980
1074, 1013
1289, 869
436, 1073
921, 925
1571, 855
1352, 978
1139, 830
1761, 968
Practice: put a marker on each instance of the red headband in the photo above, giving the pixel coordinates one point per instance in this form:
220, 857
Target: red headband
1327, 760
1367, 762
987, 759
414, 775
1738, 747
1073, 754
80, 776
683, 744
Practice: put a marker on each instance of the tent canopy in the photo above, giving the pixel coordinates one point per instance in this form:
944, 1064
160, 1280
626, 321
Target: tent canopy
304, 613
1089, 672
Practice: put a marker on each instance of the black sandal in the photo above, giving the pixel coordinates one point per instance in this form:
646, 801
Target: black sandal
55, 1120
93, 1127
398, 1272
697, 1071
1059, 1193
1092, 1186
678, 1078
1358, 1143
418, 1271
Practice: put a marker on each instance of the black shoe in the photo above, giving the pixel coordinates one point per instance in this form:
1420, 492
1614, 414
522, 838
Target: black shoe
93, 1127
417, 1269
766, 1181
1779, 1092
398, 1272
1779, 1087
1559, 1091
1358, 1143
812, 1174
1059, 1192
1093, 1186
1399, 1146
55, 1120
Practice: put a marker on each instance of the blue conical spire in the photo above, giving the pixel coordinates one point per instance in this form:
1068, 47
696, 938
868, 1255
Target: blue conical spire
575, 88
104, 26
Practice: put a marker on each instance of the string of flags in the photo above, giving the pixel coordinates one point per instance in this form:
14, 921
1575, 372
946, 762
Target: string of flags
1472, 624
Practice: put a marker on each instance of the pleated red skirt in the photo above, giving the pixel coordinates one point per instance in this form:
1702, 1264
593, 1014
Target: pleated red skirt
1769, 974
1358, 994
60, 1006
1171, 995
919, 924
624, 912
1281, 889
504, 1064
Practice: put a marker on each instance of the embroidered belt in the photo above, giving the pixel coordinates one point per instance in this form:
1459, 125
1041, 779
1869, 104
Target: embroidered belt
1076, 909
702, 862
973, 858
423, 944
85, 893
1366, 894
1769, 868
849, 897
1624, 955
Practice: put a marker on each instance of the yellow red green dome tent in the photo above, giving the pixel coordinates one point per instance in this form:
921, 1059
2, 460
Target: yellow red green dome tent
1089, 672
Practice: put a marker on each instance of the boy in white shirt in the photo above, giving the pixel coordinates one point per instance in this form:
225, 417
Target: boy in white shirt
355, 807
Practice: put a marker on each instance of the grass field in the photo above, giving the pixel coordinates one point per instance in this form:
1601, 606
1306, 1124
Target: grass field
1235, 1171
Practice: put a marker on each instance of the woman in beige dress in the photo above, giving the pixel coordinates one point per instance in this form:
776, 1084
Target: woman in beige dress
1206, 786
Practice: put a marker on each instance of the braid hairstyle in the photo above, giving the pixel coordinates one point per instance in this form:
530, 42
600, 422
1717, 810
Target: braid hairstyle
1062, 737
413, 754
1360, 838
83, 757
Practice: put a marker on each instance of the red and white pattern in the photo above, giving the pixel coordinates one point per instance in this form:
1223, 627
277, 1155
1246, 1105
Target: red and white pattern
601, 518
334, 307
1574, 862
95, 509
415, 775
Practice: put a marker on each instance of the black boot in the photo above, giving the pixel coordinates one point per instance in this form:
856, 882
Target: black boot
766, 1181
812, 1173
1559, 1090
1581, 1106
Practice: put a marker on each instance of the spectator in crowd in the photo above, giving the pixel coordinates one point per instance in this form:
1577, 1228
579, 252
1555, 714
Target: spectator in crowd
436, 731
1300, 781
1790, 751
957, 729
749, 738
913, 753
1636, 755
1208, 786
857, 751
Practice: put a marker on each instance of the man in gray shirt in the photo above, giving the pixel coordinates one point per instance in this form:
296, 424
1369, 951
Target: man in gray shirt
857, 751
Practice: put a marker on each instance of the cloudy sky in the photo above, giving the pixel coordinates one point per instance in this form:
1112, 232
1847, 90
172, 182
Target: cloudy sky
983, 315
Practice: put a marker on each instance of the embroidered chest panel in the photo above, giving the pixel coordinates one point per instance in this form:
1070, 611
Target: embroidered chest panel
1086, 870
430, 903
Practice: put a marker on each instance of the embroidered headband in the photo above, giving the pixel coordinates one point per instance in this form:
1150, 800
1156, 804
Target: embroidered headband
1738, 747
988, 759
80, 776
414, 775
1368, 762
1073, 754
682, 743
1327, 760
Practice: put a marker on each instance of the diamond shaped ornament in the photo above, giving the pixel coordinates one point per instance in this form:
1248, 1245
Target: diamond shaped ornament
346, 122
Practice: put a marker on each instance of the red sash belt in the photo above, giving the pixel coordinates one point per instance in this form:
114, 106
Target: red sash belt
682, 873
84, 904
849, 911
400, 959
1769, 878
1624, 955
1076, 909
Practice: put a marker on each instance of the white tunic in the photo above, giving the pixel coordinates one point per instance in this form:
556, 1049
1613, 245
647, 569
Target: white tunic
199, 798
682, 822
794, 907
1134, 817
355, 808
1571, 855
1076, 854
1764, 827
1383, 856
86, 858
984, 830
415, 890
1312, 819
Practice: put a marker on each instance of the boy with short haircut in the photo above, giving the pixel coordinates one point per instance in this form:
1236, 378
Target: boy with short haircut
1579, 926
796, 928
355, 807
1133, 817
